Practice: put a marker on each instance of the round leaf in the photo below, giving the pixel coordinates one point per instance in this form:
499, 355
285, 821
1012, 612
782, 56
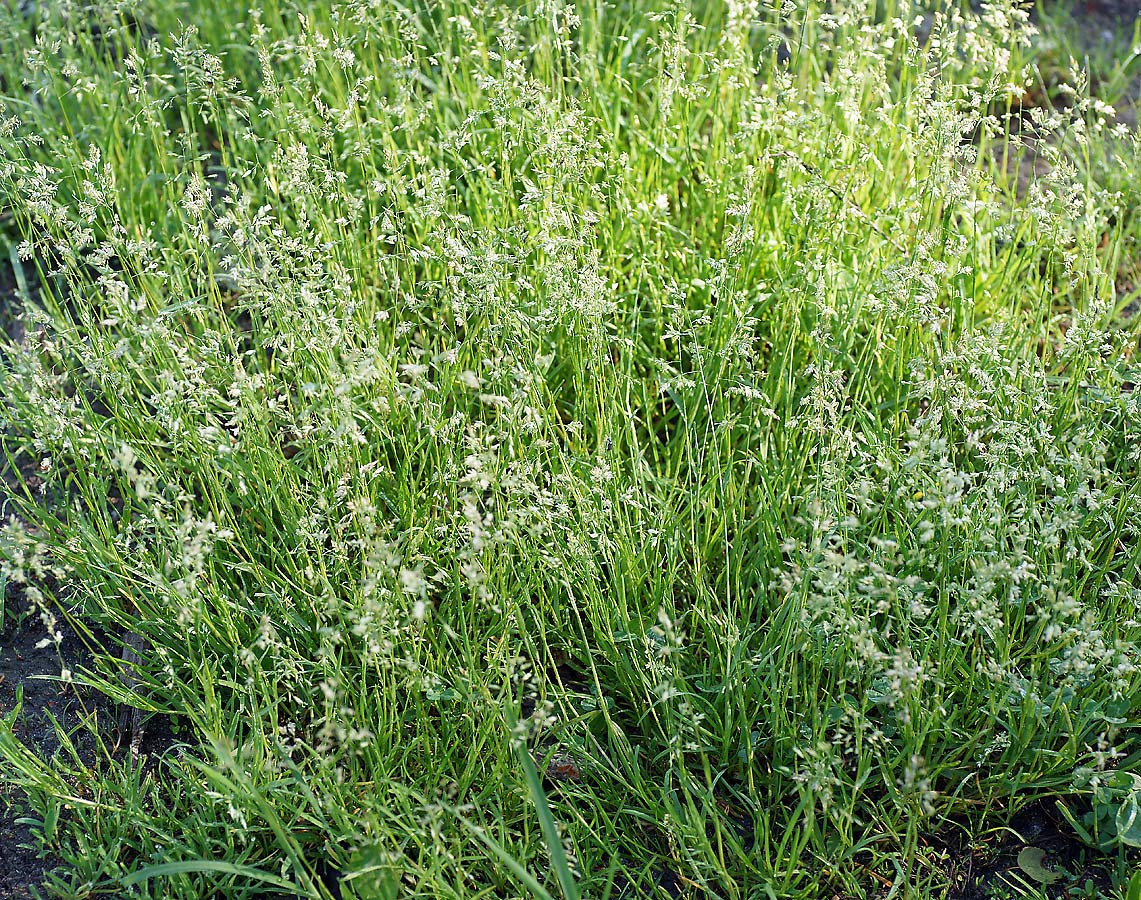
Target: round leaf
1031, 860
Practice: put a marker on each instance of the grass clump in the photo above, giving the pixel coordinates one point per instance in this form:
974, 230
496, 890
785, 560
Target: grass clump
686, 397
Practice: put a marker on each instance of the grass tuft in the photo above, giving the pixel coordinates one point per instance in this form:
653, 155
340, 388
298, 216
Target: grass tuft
733, 406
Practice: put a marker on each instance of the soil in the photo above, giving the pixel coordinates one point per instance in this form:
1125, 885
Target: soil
984, 870
28, 670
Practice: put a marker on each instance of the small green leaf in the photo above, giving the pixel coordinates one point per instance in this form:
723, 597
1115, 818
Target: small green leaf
10, 717
1030, 861
1079, 829
51, 820
374, 877
1124, 781
1128, 820
880, 690
1133, 892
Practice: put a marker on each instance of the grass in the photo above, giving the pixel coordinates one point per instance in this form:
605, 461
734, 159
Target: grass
601, 449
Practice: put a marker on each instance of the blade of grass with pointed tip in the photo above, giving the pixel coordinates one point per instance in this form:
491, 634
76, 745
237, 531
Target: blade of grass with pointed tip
546, 820
205, 865
507, 859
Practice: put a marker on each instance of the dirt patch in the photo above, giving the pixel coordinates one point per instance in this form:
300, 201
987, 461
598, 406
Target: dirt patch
27, 655
40, 705
1038, 850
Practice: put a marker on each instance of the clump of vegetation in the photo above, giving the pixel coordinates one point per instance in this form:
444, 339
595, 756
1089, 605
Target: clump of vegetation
604, 448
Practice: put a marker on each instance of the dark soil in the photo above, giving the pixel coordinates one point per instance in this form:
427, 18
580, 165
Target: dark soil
22, 665
29, 681
989, 869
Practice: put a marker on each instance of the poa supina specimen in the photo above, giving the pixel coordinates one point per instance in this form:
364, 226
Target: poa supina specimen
459, 336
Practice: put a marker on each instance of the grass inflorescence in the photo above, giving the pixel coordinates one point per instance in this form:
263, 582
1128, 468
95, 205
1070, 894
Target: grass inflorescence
585, 449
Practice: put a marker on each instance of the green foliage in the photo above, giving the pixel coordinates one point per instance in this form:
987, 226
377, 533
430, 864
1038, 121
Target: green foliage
743, 392
1133, 892
1115, 815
